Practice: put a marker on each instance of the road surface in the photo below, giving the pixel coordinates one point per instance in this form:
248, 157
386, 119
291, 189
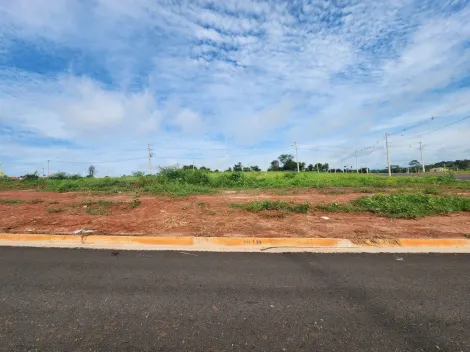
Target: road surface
84, 300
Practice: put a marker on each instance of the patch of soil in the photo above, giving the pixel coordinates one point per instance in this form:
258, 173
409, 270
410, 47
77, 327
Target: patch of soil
210, 215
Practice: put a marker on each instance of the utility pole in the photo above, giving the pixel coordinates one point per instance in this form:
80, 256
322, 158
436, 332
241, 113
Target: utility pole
422, 160
150, 154
388, 155
355, 154
297, 156
48, 168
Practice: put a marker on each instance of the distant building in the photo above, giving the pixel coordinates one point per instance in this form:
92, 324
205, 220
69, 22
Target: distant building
438, 169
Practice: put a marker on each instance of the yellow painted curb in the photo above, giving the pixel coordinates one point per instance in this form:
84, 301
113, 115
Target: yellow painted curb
90, 239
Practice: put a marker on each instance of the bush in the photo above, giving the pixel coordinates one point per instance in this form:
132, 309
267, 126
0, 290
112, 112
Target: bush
31, 176
258, 206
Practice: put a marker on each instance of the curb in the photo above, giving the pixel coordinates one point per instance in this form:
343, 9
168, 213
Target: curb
249, 244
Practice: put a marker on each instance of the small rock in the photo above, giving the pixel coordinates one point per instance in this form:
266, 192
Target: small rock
325, 218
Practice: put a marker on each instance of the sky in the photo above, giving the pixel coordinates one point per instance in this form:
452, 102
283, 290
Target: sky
218, 82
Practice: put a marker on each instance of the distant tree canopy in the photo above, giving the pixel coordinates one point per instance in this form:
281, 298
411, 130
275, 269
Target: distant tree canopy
91, 171
238, 167
286, 162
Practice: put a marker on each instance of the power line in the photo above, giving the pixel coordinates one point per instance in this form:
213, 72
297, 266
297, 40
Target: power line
436, 129
97, 162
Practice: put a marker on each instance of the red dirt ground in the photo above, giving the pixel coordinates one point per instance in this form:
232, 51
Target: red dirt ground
211, 216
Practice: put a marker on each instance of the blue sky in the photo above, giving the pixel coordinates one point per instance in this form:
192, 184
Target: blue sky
227, 81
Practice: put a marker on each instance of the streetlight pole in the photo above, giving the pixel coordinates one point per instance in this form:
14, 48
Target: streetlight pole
388, 155
297, 156
422, 160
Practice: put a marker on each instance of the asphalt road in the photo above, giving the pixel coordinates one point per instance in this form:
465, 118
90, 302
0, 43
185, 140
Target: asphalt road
79, 300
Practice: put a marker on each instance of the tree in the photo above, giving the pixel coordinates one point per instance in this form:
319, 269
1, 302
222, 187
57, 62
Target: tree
274, 165
203, 168
229, 170
415, 163
289, 165
137, 173
246, 169
284, 158
238, 167
255, 168
91, 171
310, 167
318, 167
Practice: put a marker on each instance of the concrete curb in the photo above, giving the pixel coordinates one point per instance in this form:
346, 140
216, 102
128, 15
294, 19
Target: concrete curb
238, 244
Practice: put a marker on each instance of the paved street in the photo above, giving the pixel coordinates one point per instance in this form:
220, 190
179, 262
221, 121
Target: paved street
83, 300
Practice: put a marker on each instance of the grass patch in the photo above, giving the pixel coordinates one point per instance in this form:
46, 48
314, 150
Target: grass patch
201, 204
54, 210
404, 206
467, 235
332, 191
53, 202
11, 201
135, 203
432, 190
278, 205
101, 207
336, 207
412, 205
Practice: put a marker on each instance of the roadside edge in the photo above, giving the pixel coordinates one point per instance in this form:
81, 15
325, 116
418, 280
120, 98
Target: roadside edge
237, 244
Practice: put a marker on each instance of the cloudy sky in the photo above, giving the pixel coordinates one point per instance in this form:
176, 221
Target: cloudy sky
218, 82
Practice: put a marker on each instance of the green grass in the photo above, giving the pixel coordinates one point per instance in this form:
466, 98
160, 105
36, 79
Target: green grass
11, 201
336, 207
279, 205
101, 207
405, 206
177, 183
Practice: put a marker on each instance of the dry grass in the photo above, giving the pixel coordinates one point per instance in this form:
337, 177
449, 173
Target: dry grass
373, 238
175, 221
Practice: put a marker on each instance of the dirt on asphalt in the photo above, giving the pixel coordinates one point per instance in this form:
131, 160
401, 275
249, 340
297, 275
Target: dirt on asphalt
208, 215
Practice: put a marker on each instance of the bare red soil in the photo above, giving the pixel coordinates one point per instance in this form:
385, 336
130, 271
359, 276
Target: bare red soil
49, 212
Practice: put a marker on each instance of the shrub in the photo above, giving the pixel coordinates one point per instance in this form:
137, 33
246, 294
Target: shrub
258, 206
31, 176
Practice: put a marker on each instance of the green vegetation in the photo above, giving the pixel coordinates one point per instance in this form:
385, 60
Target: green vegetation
336, 207
101, 207
135, 203
406, 206
183, 182
279, 205
11, 201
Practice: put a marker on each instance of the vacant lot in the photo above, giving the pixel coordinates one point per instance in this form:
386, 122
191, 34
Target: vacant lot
244, 204
250, 213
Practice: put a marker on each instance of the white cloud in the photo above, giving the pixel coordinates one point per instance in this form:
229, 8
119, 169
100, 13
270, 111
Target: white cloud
239, 73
